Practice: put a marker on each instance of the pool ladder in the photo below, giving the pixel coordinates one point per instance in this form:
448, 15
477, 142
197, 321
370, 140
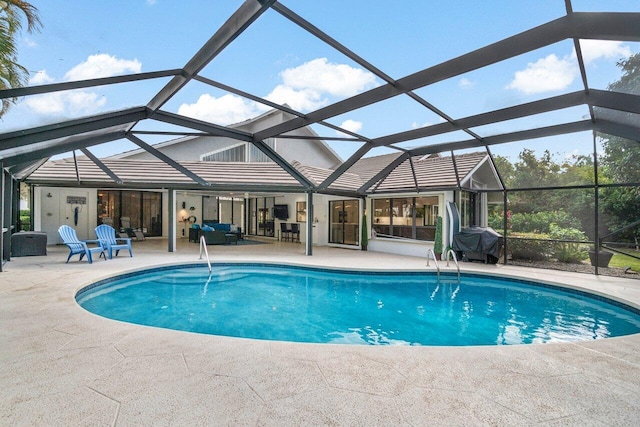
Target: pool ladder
203, 249
432, 255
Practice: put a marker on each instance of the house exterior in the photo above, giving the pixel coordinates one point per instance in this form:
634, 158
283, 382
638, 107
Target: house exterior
313, 151
402, 207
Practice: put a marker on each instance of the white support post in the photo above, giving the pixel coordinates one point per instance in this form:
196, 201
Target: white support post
309, 224
172, 221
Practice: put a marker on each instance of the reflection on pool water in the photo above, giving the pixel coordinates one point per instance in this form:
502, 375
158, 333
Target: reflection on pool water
301, 304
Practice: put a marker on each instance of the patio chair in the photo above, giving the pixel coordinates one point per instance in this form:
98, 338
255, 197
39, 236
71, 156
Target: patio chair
125, 227
109, 242
285, 232
77, 246
295, 232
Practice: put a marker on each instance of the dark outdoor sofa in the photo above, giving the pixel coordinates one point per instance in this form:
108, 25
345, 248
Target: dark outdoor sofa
221, 226
215, 237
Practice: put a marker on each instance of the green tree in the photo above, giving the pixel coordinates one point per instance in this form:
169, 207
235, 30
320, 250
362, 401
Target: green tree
531, 171
629, 82
620, 160
12, 74
505, 169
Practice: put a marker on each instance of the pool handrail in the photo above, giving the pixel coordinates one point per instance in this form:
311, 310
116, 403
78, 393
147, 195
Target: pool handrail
433, 254
203, 248
455, 260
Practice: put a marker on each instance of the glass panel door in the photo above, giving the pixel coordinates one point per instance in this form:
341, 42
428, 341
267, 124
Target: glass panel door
209, 209
252, 227
344, 221
265, 216
109, 208
152, 214
142, 208
226, 210
130, 208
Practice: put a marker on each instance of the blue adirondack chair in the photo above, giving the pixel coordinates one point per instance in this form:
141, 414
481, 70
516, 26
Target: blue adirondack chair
77, 246
109, 242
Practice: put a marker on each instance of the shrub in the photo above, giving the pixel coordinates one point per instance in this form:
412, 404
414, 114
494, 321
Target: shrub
568, 252
533, 222
437, 241
530, 249
495, 221
539, 222
25, 220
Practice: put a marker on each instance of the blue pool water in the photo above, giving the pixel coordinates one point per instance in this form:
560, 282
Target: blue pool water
326, 306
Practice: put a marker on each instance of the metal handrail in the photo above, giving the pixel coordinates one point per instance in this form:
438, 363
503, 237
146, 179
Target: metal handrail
455, 260
203, 248
430, 252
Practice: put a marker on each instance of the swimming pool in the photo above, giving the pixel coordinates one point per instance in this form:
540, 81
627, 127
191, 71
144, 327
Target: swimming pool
305, 304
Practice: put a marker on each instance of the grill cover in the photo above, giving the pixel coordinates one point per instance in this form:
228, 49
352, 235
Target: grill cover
478, 243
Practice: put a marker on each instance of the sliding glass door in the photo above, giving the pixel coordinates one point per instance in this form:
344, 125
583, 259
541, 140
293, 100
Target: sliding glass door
344, 221
142, 210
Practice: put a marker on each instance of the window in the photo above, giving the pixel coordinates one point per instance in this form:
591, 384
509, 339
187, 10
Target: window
301, 211
464, 204
241, 152
255, 155
234, 153
427, 210
409, 217
402, 218
382, 217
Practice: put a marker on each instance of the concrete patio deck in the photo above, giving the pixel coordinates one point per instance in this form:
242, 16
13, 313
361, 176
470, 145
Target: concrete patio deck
64, 366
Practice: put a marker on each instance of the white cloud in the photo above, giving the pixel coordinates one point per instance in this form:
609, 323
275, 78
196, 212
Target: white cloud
309, 86
62, 104
416, 125
546, 74
465, 83
606, 49
225, 110
350, 125
30, 43
299, 100
553, 73
40, 78
76, 102
304, 88
323, 76
102, 65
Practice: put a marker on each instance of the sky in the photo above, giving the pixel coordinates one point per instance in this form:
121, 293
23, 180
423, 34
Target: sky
278, 61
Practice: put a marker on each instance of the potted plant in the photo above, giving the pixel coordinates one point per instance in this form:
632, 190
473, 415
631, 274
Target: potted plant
603, 258
437, 240
364, 237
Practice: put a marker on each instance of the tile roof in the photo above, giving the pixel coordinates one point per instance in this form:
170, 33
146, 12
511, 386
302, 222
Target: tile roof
430, 172
433, 172
156, 172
